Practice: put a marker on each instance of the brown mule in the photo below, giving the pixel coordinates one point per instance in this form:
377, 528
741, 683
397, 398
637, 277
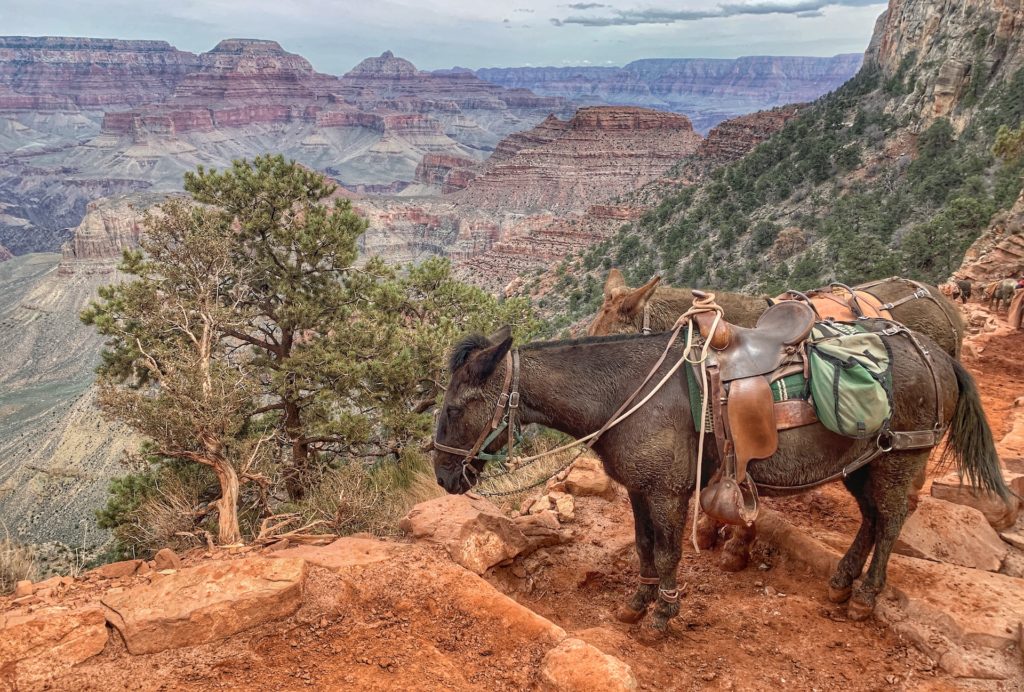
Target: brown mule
576, 386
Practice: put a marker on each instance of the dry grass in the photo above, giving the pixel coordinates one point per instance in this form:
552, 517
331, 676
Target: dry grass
356, 499
17, 562
165, 520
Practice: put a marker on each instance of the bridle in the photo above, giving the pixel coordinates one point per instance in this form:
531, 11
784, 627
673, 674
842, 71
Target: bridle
507, 406
503, 418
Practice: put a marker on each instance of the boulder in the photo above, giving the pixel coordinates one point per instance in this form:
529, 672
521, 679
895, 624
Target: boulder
1000, 514
955, 534
117, 570
23, 588
206, 603
1016, 539
963, 618
541, 529
473, 531
575, 666
565, 506
36, 646
166, 558
587, 477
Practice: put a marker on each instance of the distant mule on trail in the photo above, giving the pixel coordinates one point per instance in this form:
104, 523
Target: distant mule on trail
576, 386
1000, 294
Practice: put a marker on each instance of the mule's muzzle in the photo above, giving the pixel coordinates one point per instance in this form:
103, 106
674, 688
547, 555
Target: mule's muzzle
453, 484
451, 477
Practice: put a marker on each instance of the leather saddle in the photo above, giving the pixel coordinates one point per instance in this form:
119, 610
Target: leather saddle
746, 418
840, 303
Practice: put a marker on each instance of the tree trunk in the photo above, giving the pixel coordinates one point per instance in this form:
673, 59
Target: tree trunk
295, 471
228, 532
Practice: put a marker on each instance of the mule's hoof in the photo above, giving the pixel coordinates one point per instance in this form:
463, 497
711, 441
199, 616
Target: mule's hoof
659, 624
629, 616
859, 611
837, 595
734, 562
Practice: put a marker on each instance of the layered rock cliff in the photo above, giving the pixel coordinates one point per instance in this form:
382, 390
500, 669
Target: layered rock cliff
55, 73
708, 91
497, 230
601, 152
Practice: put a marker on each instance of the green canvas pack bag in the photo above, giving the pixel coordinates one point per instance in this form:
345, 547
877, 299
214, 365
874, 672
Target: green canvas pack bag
851, 378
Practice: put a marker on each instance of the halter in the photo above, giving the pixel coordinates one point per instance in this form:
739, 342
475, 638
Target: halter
503, 418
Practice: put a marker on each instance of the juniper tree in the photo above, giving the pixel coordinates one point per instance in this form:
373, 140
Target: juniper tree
340, 362
292, 257
167, 370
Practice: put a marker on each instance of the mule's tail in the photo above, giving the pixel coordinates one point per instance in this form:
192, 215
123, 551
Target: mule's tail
969, 445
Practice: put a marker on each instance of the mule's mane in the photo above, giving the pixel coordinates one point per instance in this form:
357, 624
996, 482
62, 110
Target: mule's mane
586, 340
461, 351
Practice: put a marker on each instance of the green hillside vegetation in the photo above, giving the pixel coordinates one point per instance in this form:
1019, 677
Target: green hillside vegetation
846, 173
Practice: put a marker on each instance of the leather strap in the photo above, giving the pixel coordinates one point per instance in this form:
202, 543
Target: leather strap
793, 413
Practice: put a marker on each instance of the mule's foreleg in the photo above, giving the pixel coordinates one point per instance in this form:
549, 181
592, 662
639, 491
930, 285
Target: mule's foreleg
668, 513
840, 586
636, 607
890, 479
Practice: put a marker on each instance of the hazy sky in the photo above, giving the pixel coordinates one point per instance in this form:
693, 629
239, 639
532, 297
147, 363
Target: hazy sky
335, 34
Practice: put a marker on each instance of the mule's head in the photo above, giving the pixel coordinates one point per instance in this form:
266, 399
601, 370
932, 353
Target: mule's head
622, 307
468, 406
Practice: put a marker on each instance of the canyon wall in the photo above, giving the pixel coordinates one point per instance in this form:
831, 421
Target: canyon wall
942, 55
708, 91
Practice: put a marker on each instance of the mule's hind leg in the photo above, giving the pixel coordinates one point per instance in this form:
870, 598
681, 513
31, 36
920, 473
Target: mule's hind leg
840, 586
636, 607
736, 552
668, 513
889, 481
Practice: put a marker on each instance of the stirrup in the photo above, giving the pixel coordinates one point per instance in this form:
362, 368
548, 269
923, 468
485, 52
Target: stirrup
731, 502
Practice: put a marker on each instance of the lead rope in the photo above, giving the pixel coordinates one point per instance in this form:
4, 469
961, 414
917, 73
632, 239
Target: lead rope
591, 439
702, 428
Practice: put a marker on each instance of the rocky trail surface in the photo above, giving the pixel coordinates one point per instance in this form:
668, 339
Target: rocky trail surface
476, 598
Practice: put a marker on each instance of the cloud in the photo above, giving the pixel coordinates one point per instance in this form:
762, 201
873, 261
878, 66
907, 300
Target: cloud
726, 9
585, 5
809, 15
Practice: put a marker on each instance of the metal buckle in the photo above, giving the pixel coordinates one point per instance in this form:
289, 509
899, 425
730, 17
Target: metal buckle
886, 446
503, 400
513, 400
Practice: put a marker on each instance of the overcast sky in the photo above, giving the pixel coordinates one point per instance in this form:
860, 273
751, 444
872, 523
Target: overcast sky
335, 34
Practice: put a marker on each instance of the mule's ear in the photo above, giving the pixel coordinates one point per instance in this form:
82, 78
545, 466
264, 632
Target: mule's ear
483, 363
503, 333
638, 297
769, 300
614, 281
